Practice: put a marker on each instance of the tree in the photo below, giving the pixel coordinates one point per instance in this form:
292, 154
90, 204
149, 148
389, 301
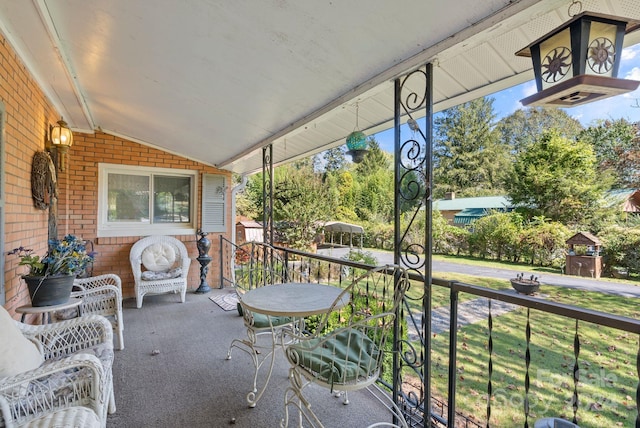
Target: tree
373, 186
334, 159
556, 177
374, 196
300, 205
544, 241
249, 202
617, 147
375, 159
300, 202
341, 187
495, 234
621, 248
445, 238
468, 158
525, 126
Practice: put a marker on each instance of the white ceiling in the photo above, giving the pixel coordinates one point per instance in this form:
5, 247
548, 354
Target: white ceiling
216, 80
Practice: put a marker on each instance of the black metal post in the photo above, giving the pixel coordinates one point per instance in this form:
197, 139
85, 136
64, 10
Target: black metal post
453, 348
412, 177
222, 258
267, 194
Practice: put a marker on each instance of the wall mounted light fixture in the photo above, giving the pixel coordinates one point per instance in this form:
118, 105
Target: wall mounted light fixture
60, 139
577, 63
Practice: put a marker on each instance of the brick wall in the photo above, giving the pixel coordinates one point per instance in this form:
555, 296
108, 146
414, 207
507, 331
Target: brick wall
77, 211
28, 116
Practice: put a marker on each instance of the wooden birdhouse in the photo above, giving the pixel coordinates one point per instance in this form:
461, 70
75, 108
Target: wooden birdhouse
583, 256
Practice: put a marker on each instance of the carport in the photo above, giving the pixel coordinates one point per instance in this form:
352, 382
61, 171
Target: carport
333, 228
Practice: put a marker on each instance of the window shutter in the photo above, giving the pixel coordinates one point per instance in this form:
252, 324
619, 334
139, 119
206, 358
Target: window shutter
214, 203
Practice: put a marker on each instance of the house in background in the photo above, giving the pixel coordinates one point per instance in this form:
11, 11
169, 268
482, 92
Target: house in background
464, 211
628, 200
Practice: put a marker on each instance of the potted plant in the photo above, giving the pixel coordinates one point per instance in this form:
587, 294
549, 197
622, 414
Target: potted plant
50, 279
525, 285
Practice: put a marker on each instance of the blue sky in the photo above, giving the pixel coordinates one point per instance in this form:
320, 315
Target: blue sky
619, 107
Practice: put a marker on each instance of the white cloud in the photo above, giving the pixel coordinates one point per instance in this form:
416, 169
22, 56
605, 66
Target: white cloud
632, 95
633, 74
529, 89
630, 52
516, 105
578, 116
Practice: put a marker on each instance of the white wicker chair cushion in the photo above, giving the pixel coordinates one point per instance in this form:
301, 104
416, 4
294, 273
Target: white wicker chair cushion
17, 353
158, 257
59, 383
75, 416
150, 275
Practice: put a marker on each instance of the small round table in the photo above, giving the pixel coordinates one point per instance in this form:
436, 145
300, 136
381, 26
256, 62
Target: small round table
295, 300
45, 311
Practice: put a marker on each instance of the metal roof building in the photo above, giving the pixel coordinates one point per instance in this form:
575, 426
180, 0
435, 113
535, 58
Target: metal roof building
465, 210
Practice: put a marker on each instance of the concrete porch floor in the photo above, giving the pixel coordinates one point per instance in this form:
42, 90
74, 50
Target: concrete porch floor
189, 382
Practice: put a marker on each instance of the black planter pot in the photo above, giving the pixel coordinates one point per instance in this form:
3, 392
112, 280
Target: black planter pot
525, 286
49, 291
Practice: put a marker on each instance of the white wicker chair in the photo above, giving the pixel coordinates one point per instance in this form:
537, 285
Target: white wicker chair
346, 351
102, 295
78, 357
171, 279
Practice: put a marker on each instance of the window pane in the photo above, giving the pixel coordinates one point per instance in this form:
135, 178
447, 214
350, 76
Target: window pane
172, 196
128, 198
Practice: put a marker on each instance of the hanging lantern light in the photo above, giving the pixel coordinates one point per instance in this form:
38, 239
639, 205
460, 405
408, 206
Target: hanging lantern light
577, 63
357, 143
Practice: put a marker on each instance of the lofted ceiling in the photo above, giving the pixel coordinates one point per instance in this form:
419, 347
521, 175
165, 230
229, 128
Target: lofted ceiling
217, 80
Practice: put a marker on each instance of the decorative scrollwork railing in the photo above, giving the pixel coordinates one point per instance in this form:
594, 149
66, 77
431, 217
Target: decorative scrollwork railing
413, 199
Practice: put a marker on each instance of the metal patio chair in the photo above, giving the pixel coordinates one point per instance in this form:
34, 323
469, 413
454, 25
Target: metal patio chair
261, 267
346, 351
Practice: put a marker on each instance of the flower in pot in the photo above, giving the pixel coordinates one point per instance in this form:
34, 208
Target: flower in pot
50, 279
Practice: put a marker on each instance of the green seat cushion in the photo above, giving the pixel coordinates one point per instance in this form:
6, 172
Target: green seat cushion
341, 358
262, 321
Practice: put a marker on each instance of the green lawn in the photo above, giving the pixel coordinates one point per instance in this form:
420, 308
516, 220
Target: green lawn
606, 360
607, 357
521, 267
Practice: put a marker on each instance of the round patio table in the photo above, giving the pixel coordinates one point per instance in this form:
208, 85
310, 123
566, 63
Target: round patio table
292, 299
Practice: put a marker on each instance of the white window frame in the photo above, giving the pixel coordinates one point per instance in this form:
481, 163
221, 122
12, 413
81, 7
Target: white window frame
113, 229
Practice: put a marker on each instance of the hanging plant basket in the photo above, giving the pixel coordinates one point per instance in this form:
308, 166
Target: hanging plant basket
49, 291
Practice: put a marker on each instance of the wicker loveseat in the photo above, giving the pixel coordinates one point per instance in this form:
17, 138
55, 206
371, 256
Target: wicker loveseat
55, 366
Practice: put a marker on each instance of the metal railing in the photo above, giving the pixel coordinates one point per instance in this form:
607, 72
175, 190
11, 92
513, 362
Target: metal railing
299, 266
